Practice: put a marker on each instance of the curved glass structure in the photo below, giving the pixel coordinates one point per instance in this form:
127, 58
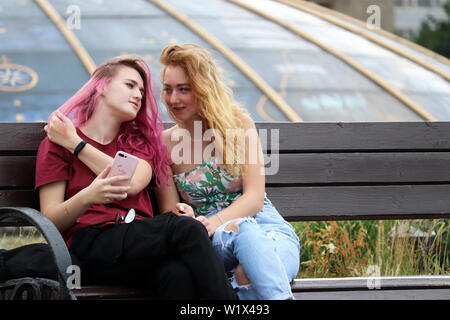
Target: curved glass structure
319, 66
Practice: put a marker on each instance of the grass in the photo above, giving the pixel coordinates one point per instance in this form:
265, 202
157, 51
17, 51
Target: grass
13, 237
368, 248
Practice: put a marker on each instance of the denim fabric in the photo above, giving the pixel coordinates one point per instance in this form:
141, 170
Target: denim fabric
267, 248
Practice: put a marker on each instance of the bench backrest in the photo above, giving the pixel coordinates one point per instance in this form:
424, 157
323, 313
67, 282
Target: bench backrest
326, 171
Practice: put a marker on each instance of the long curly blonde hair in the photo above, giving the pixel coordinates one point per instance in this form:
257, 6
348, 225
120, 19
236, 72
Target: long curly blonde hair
214, 99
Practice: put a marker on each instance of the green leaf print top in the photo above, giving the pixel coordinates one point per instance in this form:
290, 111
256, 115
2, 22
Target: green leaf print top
209, 187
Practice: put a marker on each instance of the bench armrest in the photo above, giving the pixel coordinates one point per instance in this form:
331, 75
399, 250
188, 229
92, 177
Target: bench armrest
48, 230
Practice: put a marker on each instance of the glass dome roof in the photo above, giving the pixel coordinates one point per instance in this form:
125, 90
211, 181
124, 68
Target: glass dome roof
284, 62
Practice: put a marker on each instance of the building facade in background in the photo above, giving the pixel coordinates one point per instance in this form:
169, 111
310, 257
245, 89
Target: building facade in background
409, 14
358, 9
403, 17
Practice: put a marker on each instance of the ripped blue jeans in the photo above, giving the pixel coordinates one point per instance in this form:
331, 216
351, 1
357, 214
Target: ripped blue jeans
267, 248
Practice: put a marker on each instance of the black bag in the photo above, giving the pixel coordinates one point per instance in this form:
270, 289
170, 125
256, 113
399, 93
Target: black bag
30, 273
34, 260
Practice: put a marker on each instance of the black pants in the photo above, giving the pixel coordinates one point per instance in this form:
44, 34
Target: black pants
168, 254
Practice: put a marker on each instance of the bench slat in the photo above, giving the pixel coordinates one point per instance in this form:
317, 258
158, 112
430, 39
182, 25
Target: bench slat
369, 288
362, 202
109, 292
21, 136
17, 171
328, 203
409, 294
19, 198
320, 137
311, 168
323, 168
403, 282
310, 136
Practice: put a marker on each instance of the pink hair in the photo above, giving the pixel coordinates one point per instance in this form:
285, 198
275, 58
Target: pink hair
144, 133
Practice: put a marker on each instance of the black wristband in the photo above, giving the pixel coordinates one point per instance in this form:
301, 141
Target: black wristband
79, 147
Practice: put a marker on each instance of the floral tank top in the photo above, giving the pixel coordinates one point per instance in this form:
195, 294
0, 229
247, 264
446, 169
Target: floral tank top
209, 187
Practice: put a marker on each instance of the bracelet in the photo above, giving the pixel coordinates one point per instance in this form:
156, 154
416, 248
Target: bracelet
79, 147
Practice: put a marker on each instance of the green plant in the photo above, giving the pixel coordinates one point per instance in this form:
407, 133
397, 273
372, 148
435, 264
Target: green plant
19, 236
435, 35
337, 249
399, 252
350, 248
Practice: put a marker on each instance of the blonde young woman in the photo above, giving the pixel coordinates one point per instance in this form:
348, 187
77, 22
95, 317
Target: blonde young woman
258, 247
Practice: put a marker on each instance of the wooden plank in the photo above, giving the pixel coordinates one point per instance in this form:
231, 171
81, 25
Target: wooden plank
309, 136
300, 169
368, 283
17, 171
417, 294
325, 168
323, 136
22, 136
328, 203
362, 202
109, 292
19, 198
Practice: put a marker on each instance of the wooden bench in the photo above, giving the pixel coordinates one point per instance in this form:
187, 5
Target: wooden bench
327, 171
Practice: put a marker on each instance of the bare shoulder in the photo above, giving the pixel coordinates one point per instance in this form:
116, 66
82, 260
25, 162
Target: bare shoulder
247, 121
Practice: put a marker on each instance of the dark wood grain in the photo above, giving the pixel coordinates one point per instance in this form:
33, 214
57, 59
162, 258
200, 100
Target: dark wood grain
361, 202
312, 168
309, 136
17, 171
353, 136
21, 136
359, 168
19, 198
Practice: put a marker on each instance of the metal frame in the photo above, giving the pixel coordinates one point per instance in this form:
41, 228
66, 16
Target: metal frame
351, 62
233, 58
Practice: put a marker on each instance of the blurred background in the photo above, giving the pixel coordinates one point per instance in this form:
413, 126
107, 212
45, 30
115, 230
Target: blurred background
286, 60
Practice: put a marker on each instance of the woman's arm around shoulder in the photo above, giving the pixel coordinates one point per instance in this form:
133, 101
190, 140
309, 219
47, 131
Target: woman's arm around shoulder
61, 131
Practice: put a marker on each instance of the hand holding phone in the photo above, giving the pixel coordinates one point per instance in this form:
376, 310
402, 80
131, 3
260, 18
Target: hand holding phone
124, 164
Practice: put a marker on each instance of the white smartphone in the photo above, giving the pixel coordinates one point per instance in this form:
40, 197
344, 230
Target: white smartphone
124, 164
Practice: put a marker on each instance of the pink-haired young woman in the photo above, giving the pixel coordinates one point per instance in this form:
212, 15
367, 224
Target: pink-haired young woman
169, 254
